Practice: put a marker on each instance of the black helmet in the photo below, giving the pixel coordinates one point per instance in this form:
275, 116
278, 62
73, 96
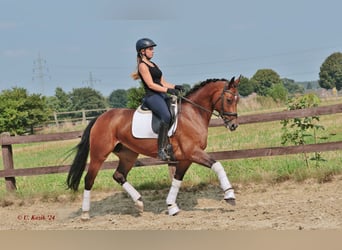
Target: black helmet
144, 43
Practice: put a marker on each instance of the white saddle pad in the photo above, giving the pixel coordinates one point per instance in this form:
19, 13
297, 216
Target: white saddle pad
142, 124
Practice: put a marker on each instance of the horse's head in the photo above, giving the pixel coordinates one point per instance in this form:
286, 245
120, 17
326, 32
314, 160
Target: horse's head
226, 104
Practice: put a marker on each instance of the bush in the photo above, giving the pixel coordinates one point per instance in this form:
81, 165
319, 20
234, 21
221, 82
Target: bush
20, 112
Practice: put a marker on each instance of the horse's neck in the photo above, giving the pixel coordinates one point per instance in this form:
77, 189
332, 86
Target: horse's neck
203, 100
199, 108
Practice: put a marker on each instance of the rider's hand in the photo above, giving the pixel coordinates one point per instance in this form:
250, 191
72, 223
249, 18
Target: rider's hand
173, 92
180, 88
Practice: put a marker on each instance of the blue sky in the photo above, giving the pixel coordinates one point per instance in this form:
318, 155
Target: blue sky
196, 40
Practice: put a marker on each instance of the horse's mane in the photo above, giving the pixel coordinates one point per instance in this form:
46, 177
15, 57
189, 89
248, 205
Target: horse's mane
202, 84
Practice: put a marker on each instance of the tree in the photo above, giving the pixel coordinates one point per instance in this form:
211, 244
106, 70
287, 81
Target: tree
37, 110
135, 96
20, 111
245, 86
64, 101
118, 99
263, 81
61, 102
330, 74
278, 92
87, 98
186, 87
292, 87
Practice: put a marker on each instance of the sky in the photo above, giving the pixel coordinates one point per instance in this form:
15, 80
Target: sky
71, 44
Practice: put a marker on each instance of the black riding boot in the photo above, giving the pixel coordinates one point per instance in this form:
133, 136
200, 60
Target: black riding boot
163, 142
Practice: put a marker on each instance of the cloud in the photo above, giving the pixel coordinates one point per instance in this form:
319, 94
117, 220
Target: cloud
140, 10
16, 53
7, 25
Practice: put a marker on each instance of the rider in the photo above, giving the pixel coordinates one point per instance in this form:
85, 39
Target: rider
155, 90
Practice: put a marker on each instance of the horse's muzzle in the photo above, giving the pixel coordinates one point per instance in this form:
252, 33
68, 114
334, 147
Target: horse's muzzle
232, 126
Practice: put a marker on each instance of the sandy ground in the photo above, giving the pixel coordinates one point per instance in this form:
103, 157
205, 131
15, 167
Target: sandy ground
285, 206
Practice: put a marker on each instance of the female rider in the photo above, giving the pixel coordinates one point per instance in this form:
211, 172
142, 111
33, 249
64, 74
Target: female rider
155, 90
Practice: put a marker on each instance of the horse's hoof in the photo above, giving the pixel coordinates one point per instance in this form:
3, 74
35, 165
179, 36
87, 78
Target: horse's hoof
139, 205
173, 209
229, 194
231, 201
85, 216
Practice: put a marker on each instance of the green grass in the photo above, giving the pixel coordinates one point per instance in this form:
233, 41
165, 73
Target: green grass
249, 136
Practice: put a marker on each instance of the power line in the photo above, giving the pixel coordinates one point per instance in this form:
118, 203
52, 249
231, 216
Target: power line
40, 72
302, 56
222, 61
91, 81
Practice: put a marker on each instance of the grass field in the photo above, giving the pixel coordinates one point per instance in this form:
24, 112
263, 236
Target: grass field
266, 169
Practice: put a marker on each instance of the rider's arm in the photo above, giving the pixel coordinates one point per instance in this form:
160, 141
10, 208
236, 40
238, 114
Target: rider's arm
146, 75
166, 84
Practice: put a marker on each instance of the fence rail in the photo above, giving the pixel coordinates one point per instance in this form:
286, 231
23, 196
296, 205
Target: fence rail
83, 116
9, 172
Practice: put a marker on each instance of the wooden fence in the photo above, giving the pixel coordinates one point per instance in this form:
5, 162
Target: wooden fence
83, 117
9, 172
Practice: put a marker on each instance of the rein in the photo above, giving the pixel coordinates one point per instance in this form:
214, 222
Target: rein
198, 106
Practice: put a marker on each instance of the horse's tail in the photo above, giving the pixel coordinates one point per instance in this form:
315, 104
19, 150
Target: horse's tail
80, 160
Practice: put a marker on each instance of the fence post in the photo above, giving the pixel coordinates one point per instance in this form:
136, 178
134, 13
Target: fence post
7, 158
84, 118
55, 116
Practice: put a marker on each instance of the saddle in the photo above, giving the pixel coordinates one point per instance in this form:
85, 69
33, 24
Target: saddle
145, 124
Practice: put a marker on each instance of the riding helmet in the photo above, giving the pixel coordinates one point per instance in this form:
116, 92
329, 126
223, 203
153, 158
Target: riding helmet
144, 43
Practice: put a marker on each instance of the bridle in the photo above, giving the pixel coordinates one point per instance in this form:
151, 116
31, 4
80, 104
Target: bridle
222, 114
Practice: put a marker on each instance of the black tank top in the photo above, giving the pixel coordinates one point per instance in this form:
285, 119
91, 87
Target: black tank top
156, 75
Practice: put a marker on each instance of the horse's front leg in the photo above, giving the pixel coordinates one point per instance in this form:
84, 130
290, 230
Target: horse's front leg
227, 188
205, 160
181, 169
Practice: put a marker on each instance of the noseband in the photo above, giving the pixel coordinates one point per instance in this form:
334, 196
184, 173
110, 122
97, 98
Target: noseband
222, 114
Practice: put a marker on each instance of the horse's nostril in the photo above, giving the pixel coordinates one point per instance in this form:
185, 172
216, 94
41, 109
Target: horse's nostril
233, 127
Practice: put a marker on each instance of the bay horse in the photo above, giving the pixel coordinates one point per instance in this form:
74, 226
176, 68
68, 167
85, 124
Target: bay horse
111, 132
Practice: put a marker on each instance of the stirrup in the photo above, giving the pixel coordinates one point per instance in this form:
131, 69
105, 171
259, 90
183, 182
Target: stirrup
163, 155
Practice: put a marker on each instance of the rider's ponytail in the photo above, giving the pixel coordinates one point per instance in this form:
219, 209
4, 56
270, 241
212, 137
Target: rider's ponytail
135, 75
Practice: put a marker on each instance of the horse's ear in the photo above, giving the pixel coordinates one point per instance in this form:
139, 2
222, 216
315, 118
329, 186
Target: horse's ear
237, 81
234, 83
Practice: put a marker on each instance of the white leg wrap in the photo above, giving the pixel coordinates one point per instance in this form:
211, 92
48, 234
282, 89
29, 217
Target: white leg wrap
131, 191
222, 176
229, 195
172, 196
173, 209
86, 200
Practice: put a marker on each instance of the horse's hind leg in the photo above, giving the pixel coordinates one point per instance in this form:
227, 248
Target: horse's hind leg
127, 159
100, 152
94, 167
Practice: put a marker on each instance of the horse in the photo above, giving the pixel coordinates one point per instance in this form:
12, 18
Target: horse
111, 133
